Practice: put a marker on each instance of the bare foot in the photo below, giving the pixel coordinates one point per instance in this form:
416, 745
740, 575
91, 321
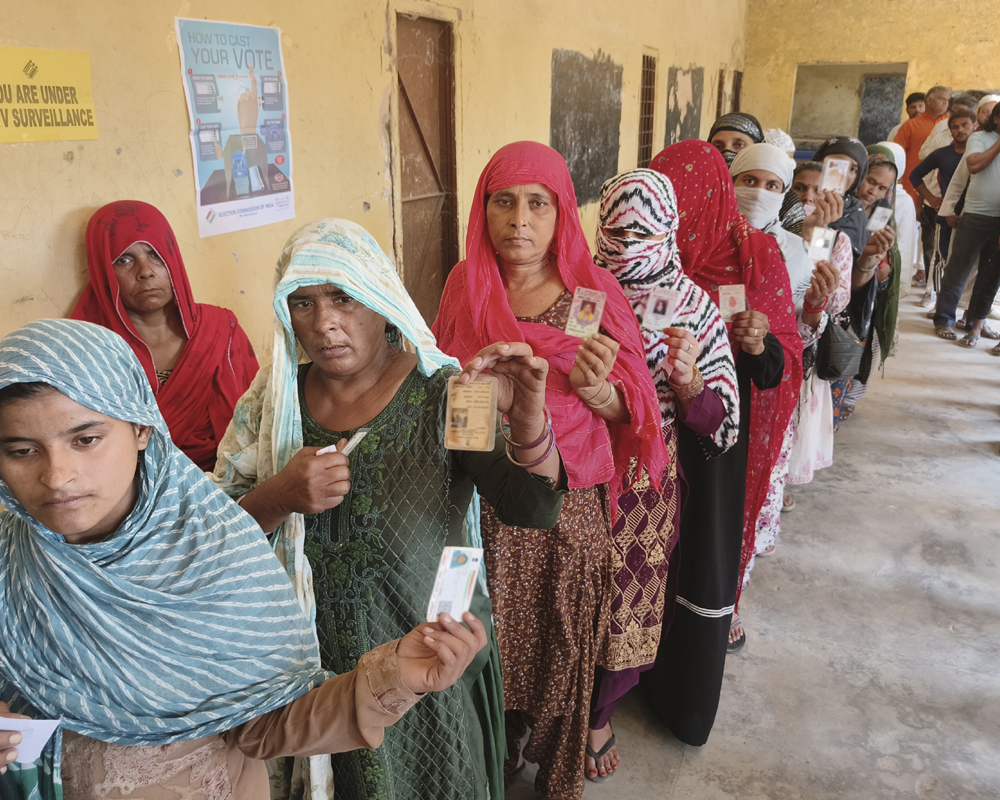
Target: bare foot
607, 763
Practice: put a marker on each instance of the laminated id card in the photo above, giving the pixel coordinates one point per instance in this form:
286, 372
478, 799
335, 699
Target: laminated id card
732, 300
879, 219
821, 244
455, 583
470, 417
585, 313
660, 309
836, 174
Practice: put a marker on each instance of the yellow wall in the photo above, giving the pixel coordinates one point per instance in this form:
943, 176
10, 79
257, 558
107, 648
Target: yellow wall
952, 44
339, 59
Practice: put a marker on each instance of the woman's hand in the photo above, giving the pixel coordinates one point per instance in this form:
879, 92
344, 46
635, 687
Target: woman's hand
824, 282
9, 740
749, 329
595, 358
520, 377
829, 208
434, 655
880, 242
682, 353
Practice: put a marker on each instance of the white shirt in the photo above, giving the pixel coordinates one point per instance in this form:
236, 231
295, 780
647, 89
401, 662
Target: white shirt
983, 196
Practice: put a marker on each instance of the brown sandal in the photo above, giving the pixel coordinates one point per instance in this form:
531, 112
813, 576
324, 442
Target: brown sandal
946, 332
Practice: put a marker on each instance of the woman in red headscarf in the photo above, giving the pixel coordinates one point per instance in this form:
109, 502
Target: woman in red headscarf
196, 356
526, 255
718, 247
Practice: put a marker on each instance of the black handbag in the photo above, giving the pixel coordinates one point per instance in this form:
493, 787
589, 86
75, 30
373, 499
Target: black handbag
838, 354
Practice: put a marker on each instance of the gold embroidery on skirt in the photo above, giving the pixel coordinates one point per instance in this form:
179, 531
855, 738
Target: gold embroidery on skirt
634, 634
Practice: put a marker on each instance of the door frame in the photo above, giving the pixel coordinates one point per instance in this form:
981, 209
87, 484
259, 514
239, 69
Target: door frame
453, 16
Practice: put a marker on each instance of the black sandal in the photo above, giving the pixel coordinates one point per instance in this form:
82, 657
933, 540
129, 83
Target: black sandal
736, 646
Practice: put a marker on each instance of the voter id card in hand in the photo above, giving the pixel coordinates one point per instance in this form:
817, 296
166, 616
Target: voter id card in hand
732, 300
455, 583
585, 313
660, 308
821, 244
879, 218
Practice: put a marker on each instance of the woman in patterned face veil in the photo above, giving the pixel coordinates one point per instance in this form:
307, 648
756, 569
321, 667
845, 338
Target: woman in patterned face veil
361, 538
145, 610
691, 364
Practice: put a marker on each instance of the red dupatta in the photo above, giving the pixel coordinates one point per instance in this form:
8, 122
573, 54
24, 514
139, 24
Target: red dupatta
474, 313
217, 363
717, 246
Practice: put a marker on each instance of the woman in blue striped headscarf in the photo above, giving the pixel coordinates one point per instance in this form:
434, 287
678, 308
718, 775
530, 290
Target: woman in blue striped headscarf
146, 610
361, 538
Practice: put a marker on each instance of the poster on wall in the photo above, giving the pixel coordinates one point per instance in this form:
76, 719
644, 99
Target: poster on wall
45, 95
237, 97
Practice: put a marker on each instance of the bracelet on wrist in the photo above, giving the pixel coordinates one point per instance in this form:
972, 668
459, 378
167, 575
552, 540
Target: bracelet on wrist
606, 403
811, 309
692, 388
505, 432
548, 451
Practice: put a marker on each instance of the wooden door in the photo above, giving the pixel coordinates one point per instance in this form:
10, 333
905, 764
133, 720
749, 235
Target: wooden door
427, 157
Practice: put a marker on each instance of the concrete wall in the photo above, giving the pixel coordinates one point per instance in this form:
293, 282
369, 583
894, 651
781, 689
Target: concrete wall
954, 44
340, 63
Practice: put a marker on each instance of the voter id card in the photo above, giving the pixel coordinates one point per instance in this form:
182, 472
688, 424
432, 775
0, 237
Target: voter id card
821, 244
732, 300
470, 416
586, 312
660, 309
455, 583
879, 219
836, 174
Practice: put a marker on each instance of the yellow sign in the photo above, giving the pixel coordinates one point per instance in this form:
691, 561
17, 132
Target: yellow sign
45, 95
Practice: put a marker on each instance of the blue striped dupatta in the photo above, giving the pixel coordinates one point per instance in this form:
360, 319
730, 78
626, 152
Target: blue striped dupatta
181, 624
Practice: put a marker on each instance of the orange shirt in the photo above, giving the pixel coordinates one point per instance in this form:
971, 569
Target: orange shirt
911, 136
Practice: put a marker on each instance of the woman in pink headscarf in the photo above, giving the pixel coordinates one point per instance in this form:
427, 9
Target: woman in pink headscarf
526, 255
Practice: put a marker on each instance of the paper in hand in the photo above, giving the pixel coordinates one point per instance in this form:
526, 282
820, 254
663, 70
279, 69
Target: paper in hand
35, 734
585, 313
836, 174
660, 309
470, 417
732, 300
879, 218
354, 441
821, 244
455, 583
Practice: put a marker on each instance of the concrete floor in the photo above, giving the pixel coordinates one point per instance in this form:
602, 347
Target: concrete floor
873, 634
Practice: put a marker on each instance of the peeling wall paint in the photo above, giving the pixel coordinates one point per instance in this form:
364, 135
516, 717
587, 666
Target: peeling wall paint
340, 61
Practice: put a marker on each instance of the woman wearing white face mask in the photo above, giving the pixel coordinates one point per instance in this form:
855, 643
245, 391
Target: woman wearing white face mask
761, 174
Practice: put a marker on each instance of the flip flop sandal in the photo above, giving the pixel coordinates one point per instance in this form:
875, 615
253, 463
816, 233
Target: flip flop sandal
969, 341
787, 502
768, 551
736, 646
846, 412
994, 351
945, 332
598, 756
961, 325
989, 333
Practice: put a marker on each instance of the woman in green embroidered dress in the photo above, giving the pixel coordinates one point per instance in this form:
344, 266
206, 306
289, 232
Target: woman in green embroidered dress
361, 536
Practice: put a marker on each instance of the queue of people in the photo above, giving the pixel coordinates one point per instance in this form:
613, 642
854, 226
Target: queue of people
186, 626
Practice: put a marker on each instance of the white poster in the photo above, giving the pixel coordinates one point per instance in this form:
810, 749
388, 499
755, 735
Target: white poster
237, 96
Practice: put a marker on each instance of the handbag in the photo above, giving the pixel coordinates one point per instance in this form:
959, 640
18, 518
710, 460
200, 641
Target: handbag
838, 354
